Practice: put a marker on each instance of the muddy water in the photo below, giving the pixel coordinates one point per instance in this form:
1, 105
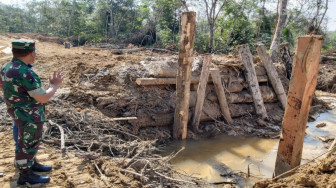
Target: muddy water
208, 159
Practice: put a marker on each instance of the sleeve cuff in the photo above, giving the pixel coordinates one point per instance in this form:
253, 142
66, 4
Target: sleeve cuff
37, 92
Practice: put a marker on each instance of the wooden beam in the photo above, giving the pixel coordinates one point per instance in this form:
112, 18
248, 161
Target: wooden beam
201, 93
251, 77
186, 52
301, 90
162, 81
272, 75
216, 78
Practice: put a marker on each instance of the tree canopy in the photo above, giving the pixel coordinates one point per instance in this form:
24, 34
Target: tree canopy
221, 24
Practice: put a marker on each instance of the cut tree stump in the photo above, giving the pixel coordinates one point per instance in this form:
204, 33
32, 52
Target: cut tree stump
272, 75
216, 79
201, 93
186, 52
301, 90
251, 77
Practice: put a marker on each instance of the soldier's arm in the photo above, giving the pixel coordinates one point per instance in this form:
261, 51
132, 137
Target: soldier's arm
55, 82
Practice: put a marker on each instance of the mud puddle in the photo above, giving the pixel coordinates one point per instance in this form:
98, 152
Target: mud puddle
215, 159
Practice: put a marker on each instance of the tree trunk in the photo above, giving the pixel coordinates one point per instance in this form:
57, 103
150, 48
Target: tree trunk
201, 93
272, 75
301, 91
210, 48
216, 79
186, 52
71, 15
251, 77
282, 10
261, 17
267, 95
286, 58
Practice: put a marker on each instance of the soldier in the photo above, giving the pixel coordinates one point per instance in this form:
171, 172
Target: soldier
25, 98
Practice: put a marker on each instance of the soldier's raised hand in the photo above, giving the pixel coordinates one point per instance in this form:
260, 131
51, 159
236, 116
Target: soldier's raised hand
57, 78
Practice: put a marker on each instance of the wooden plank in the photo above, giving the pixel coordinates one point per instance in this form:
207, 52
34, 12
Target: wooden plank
201, 93
162, 81
216, 78
272, 74
186, 52
301, 90
124, 118
251, 77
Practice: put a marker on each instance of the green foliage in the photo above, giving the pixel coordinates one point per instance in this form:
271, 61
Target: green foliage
166, 17
329, 41
234, 28
83, 21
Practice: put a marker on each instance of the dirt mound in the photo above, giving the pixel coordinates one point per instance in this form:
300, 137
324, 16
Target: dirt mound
320, 174
36, 36
326, 80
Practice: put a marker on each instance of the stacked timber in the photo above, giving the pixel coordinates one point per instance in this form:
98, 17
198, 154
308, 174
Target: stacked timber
162, 71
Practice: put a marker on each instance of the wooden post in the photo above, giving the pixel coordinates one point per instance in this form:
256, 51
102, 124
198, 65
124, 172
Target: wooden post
251, 77
201, 93
301, 90
216, 78
186, 52
272, 75
286, 58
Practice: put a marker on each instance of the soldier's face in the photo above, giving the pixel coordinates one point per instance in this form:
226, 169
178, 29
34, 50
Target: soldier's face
33, 56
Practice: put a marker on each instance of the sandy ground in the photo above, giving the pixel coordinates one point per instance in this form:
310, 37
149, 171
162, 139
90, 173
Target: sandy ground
68, 170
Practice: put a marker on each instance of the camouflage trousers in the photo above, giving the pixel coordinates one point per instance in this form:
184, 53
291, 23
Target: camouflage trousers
29, 138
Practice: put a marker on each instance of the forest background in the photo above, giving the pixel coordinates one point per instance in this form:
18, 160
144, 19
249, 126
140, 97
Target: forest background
221, 24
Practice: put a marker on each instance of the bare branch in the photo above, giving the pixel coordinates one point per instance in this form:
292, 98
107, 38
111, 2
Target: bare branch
185, 5
325, 11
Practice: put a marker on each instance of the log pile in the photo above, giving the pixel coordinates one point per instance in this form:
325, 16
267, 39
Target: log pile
162, 71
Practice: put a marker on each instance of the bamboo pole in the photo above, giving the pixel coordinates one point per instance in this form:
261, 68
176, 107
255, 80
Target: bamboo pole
186, 51
272, 75
216, 78
201, 93
247, 59
301, 90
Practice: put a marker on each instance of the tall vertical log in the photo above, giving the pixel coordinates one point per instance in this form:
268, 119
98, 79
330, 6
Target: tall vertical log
251, 77
286, 58
272, 74
216, 79
186, 51
201, 92
301, 90
282, 12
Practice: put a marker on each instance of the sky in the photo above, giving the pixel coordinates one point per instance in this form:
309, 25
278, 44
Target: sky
331, 13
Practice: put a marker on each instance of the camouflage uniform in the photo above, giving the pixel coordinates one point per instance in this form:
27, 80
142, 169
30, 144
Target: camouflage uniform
20, 84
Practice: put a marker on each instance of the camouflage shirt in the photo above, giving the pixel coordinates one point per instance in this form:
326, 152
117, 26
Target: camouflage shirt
20, 84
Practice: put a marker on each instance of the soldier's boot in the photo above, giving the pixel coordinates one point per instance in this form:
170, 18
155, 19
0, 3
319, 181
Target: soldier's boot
27, 176
37, 167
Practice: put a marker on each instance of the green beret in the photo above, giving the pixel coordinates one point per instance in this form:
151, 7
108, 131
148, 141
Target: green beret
23, 44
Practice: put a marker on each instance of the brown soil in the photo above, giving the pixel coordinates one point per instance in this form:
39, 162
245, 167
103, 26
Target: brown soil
318, 174
123, 159
327, 74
